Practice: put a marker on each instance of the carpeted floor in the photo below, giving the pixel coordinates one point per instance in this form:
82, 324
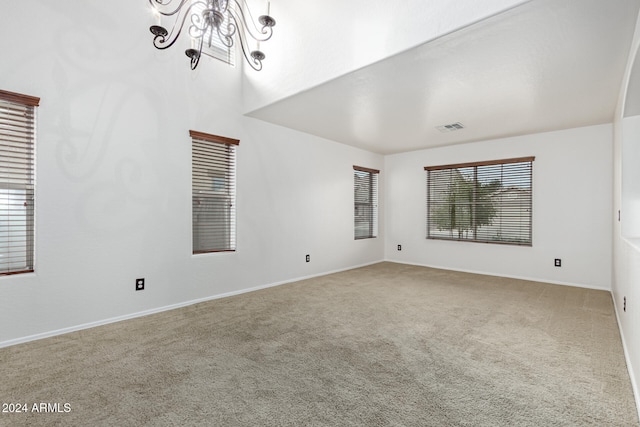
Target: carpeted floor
384, 345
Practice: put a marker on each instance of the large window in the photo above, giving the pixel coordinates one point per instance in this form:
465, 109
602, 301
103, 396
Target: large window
488, 202
17, 201
213, 192
365, 189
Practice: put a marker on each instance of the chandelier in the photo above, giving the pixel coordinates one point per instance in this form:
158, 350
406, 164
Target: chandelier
211, 19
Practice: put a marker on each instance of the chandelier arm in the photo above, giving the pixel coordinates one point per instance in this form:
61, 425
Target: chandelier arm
159, 4
165, 41
249, 25
222, 5
195, 56
239, 10
254, 59
199, 24
227, 38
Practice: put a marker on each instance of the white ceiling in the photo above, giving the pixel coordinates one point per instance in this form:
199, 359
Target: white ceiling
542, 66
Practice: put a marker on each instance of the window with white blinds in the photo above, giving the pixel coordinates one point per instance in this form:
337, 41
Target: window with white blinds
212, 44
365, 190
489, 202
17, 189
213, 192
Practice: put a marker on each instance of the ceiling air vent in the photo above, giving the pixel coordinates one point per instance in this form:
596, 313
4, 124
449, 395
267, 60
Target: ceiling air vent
451, 127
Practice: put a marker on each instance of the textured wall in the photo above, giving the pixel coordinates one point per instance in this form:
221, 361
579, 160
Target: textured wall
330, 38
114, 174
572, 179
626, 245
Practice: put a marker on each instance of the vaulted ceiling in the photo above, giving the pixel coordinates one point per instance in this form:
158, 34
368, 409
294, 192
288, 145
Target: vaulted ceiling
544, 65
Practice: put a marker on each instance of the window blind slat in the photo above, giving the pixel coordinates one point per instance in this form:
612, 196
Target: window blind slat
213, 193
487, 202
17, 142
365, 195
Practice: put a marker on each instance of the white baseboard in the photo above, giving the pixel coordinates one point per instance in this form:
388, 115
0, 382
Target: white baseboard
256, 288
488, 273
75, 328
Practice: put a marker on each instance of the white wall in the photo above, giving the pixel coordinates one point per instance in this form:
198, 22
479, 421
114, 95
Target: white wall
316, 41
626, 242
630, 130
113, 190
572, 179
113, 174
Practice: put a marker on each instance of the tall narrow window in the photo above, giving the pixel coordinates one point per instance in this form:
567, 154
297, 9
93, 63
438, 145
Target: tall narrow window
365, 190
487, 202
213, 192
17, 201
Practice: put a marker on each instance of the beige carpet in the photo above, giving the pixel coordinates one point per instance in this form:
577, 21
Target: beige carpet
384, 345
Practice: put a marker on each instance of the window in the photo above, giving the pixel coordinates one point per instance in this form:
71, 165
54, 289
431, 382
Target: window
365, 190
212, 44
213, 192
17, 201
486, 202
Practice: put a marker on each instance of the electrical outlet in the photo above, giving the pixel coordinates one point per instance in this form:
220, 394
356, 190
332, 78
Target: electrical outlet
399, 247
140, 284
557, 262
624, 304
307, 258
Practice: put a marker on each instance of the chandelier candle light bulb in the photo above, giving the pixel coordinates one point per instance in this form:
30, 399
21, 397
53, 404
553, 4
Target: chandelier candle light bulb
268, 12
156, 16
228, 20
